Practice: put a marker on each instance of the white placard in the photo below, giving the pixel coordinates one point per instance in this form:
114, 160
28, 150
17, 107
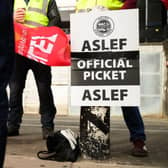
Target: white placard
103, 33
118, 25
105, 95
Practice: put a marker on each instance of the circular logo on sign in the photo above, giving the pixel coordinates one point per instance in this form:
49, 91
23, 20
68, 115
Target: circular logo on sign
103, 26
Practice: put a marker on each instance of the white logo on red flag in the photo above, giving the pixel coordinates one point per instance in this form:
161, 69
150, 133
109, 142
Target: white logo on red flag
43, 45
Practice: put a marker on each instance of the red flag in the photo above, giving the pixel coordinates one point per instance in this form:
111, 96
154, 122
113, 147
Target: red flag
47, 45
165, 2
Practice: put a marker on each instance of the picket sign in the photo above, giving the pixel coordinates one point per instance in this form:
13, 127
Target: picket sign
46, 45
105, 58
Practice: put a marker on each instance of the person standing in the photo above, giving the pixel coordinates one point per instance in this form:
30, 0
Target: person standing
6, 63
131, 115
33, 13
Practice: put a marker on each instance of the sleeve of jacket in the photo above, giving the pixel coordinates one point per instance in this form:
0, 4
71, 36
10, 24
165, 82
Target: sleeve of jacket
129, 4
7, 52
53, 14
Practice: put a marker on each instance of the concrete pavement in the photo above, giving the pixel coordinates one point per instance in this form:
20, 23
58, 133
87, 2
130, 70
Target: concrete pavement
21, 150
31, 162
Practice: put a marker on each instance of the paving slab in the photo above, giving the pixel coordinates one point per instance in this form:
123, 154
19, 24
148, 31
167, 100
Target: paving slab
21, 150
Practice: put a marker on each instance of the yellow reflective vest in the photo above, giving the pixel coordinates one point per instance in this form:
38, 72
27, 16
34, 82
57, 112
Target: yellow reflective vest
36, 12
89, 4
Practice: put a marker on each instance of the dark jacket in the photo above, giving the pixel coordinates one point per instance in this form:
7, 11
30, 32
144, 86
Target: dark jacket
6, 63
53, 14
6, 39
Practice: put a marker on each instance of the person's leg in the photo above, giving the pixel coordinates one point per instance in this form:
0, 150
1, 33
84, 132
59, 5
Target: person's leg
47, 109
3, 122
135, 125
16, 85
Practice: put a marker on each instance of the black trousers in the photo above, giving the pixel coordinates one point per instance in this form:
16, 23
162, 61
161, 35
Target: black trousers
42, 75
3, 120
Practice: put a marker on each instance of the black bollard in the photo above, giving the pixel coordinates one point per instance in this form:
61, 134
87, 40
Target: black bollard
95, 132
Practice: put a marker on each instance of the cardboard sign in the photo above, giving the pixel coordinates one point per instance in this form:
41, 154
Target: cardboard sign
105, 58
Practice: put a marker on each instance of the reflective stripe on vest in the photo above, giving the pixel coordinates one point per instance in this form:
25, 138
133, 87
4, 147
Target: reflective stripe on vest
43, 10
32, 24
36, 12
89, 4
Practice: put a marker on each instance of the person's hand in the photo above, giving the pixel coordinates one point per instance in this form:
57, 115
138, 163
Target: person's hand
19, 15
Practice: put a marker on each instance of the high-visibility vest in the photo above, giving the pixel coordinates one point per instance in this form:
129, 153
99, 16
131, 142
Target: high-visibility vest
89, 4
36, 12
19, 4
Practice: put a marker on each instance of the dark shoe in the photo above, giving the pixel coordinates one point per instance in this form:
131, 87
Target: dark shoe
12, 131
139, 149
47, 132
